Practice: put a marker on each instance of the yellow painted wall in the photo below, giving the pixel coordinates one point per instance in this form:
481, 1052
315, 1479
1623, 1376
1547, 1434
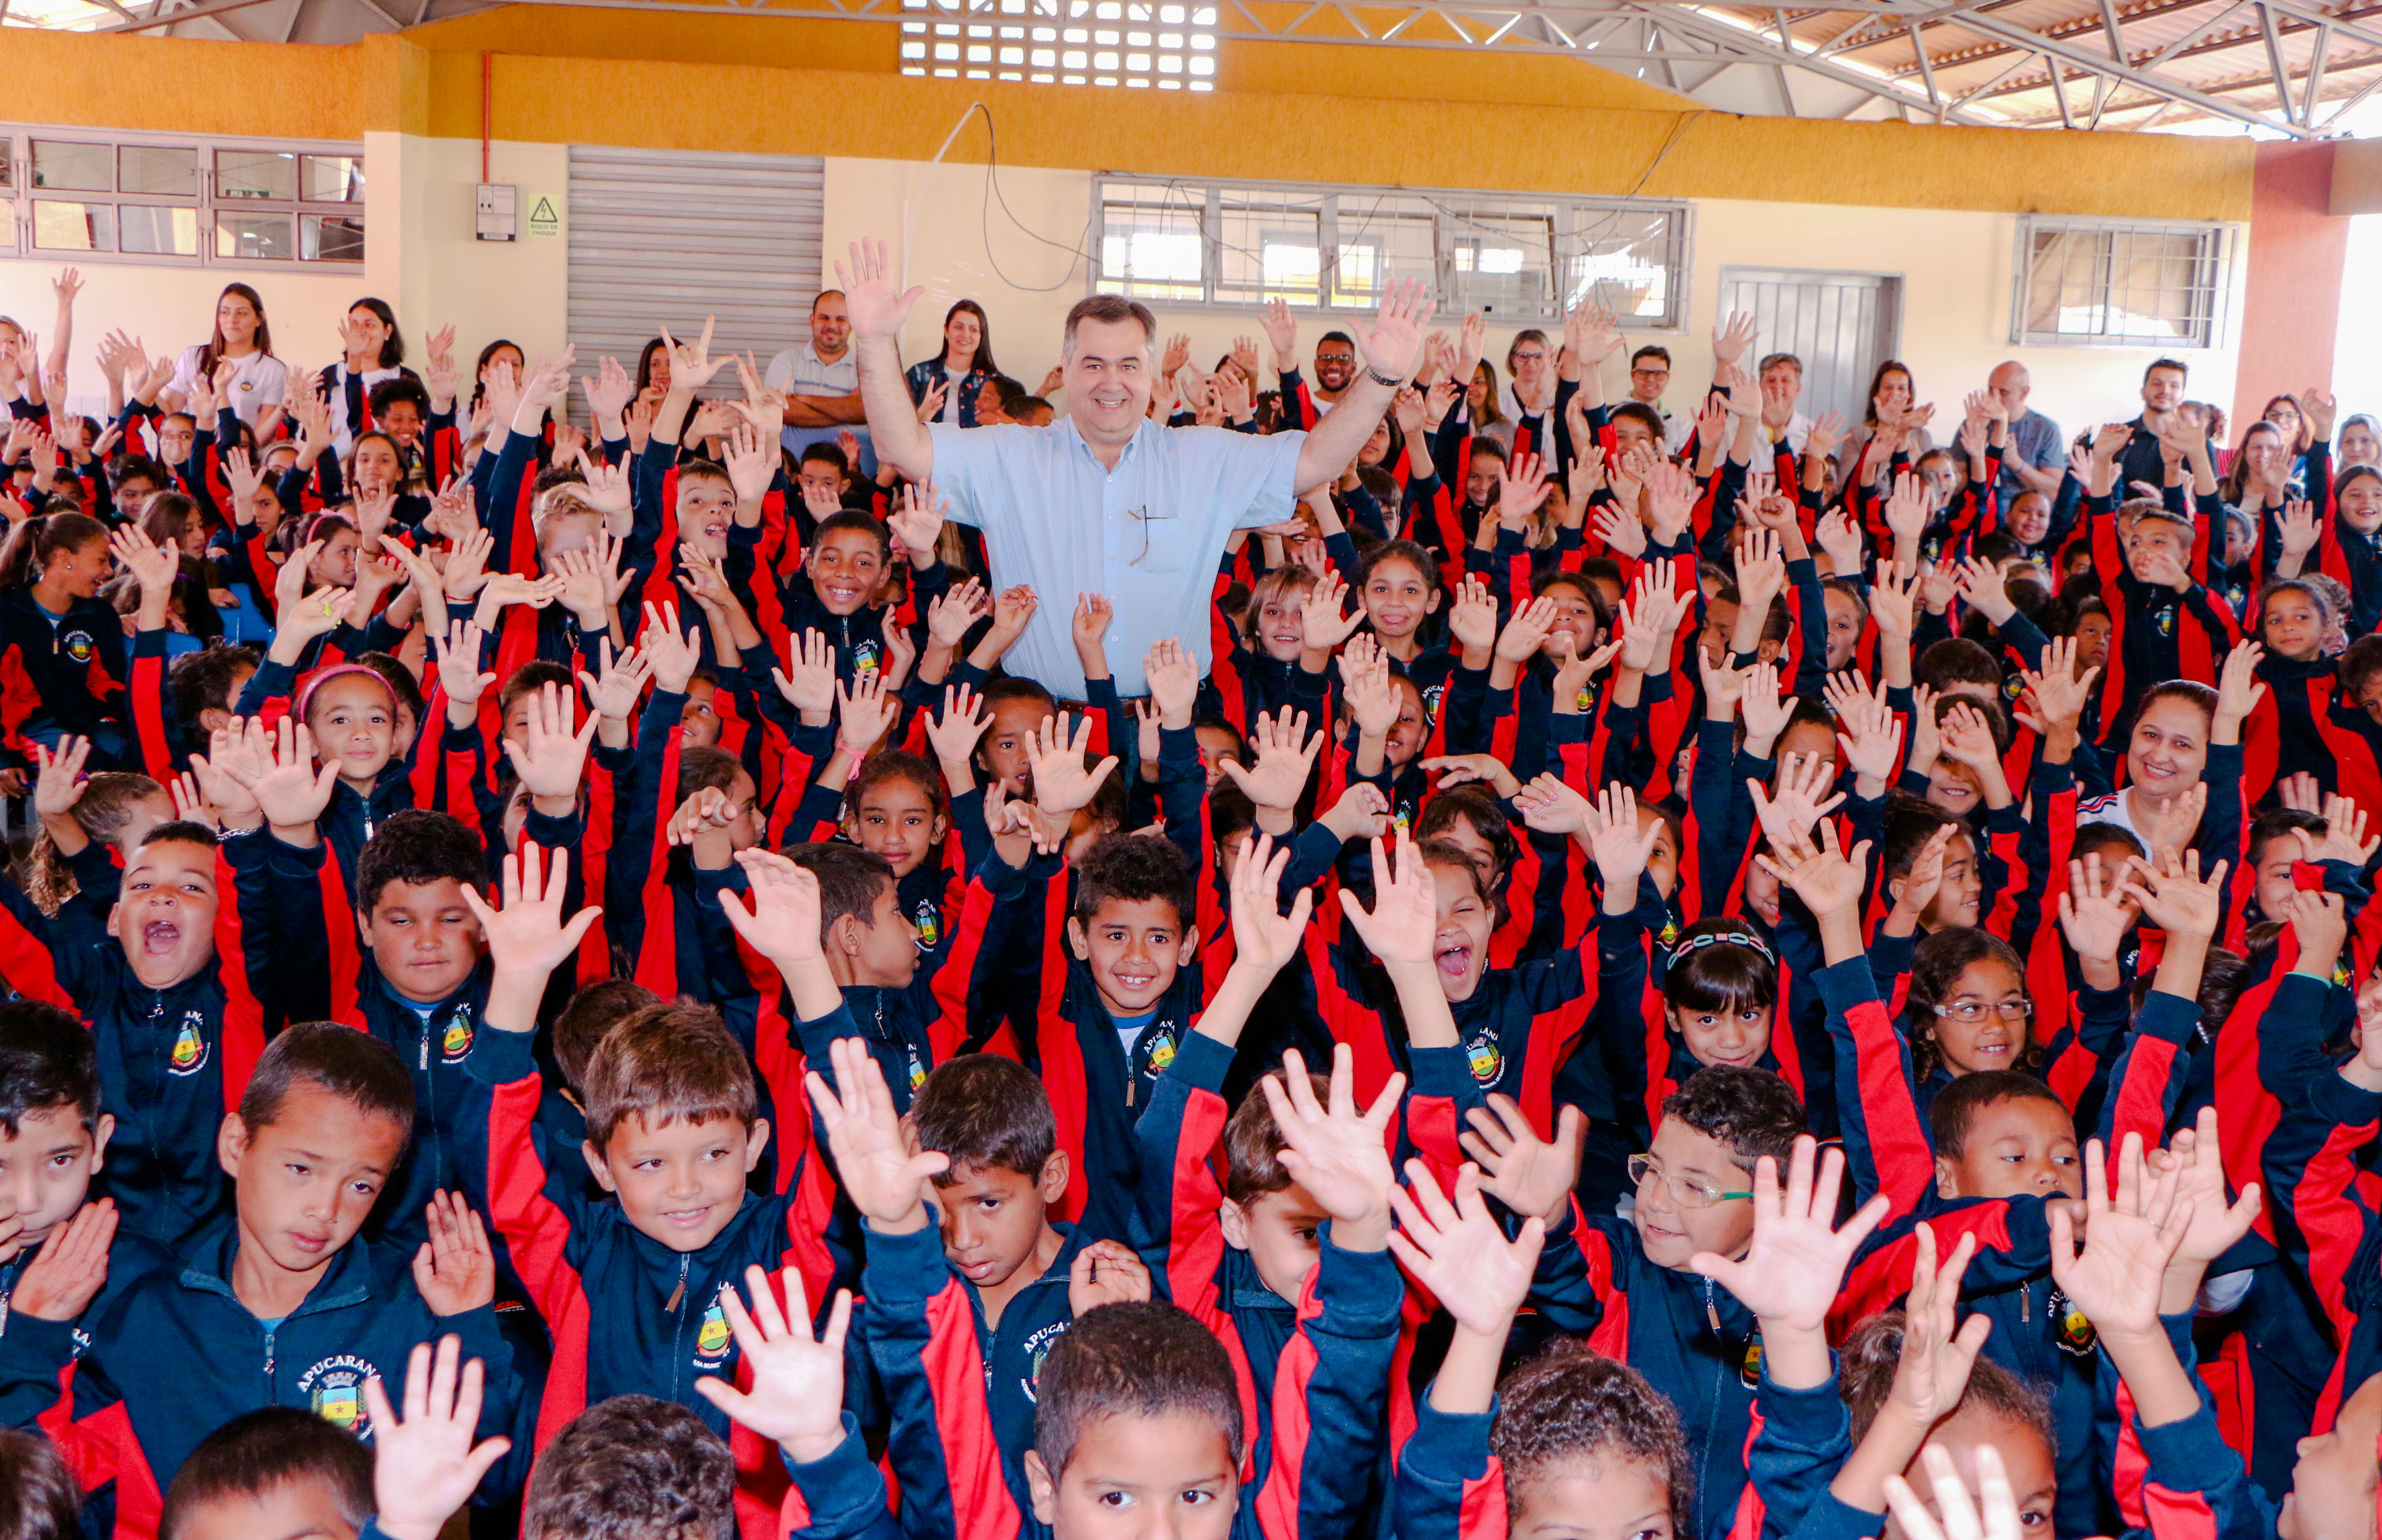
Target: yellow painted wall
1351, 115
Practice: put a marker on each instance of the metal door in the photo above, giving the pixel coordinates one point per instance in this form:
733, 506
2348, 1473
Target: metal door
1841, 325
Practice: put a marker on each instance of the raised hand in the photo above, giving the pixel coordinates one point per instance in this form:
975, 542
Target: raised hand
58, 785
2131, 1236
529, 938
797, 1395
1401, 927
425, 1466
1790, 1274
1062, 782
865, 713
1961, 1520
1390, 344
1552, 805
1334, 1151
1529, 1175
1472, 618
279, 767
2196, 1159
459, 665
2095, 910
954, 734
2344, 834
885, 1181
613, 693
1263, 936
1802, 799
1620, 847
1285, 758
1458, 1251
1518, 643
1173, 675
1825, 877
454, 1269
779, 918
673, 654
2174, 895
1107, 1272
1938, 1348
549, 757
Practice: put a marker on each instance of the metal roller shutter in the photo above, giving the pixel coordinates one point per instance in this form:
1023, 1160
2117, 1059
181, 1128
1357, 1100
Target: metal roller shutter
666, 236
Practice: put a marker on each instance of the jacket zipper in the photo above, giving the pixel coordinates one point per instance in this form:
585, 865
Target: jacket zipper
678, 1330
271, 1396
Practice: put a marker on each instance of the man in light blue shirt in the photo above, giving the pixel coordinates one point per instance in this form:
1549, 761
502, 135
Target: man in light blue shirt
1107, 501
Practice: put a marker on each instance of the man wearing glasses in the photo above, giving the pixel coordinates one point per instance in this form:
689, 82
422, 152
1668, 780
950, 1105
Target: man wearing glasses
1649, 375
1107, 501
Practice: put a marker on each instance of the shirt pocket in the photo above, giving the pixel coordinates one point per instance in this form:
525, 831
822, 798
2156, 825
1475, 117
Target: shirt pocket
1161, 536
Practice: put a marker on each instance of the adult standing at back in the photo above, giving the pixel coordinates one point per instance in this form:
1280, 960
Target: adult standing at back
2036, 458
1106, 501
944, 388
821, 380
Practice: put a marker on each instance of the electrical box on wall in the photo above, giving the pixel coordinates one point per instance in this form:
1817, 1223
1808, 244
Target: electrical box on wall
494, 210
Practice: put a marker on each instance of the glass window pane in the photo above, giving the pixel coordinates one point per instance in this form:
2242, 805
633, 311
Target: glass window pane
74, 226
83, 167
161, 171
264, 237
331, 178
331, 237
255, 174
167, 232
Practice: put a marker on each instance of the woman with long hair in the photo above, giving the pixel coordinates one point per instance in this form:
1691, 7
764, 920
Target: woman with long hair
255, 383
372, 352
956, 376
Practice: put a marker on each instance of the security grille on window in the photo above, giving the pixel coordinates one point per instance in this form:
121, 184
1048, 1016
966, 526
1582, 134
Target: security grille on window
2094, 282
182, 201
1071, 42
1174, 242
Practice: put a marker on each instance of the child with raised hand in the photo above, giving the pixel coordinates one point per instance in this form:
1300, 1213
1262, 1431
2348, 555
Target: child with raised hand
427, 1465
2147, 1235
675, 1127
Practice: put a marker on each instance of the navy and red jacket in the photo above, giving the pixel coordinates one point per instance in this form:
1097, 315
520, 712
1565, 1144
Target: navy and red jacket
178, 1356
628, 1314
172, 1062
62, 677
2325, 1223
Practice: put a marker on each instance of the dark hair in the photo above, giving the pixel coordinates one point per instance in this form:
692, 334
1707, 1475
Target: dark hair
1755, 1112
2192, 690
33, 543
136, 467
1109, 310
2092, 838
529, 679
403, 388
2156, 364
1872, 1352
825, 452
404, 689
982, 358
1129, 868
1023, 404
103, 812
1485, 446
1406, 550
667, 1063
630, 1467
1772, 360
1253, 1143
896, 764
2326, 611
1489, 411
1911, 823
1956, 660
1573, 1404
272, 1447
39, 1498
1475, 805
982, 1111
480, 389
1448, 855
392, 348
47, 1061
850, 879
1645, 417
417, 847
1877, 382
702, 768
1957, 1106
213, 350
1937, 964
2358, 663
1726, 976
349, 1064
1138, 1360
1650, 350
854, 519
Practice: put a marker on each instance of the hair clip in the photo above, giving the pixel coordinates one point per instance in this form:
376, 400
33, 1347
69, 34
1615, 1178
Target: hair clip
1716, 938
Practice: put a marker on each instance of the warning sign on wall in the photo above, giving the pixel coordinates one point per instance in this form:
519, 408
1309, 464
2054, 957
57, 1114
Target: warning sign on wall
543, 221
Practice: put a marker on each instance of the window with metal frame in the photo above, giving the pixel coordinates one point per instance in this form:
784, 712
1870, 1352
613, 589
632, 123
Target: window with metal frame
1136, 44
1181, 241
2101, 282
179, 199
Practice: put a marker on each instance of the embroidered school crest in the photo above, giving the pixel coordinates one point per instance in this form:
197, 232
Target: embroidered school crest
2076, 1334
77, 646
1751, 1370
1037, 1352
456, 1042
1161, 1050
1482, 1057
864, 657
189, 1054
711, 1338
335, 1392
928, 922
917, 1070
2164, 621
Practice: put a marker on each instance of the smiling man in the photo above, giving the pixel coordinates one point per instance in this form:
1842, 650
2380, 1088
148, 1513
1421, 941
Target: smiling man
1108, 501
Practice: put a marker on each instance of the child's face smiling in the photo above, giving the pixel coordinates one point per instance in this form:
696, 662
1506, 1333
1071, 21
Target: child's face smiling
1990, 1042
165, 917
1670, 1231
896, 819
706, 505
1133, 947
355, 726
845, 567
1721, 1036
1397, 597
1281, 624
1460, 948
681, 1182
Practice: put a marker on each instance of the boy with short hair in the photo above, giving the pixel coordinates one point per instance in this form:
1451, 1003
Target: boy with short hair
278, 1471
318, 1134
627, 1279
173, 995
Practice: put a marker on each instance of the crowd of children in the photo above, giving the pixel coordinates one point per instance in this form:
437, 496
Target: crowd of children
1637, 985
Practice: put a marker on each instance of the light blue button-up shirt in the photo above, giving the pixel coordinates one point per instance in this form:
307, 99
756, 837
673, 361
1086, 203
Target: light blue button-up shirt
1149, 534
